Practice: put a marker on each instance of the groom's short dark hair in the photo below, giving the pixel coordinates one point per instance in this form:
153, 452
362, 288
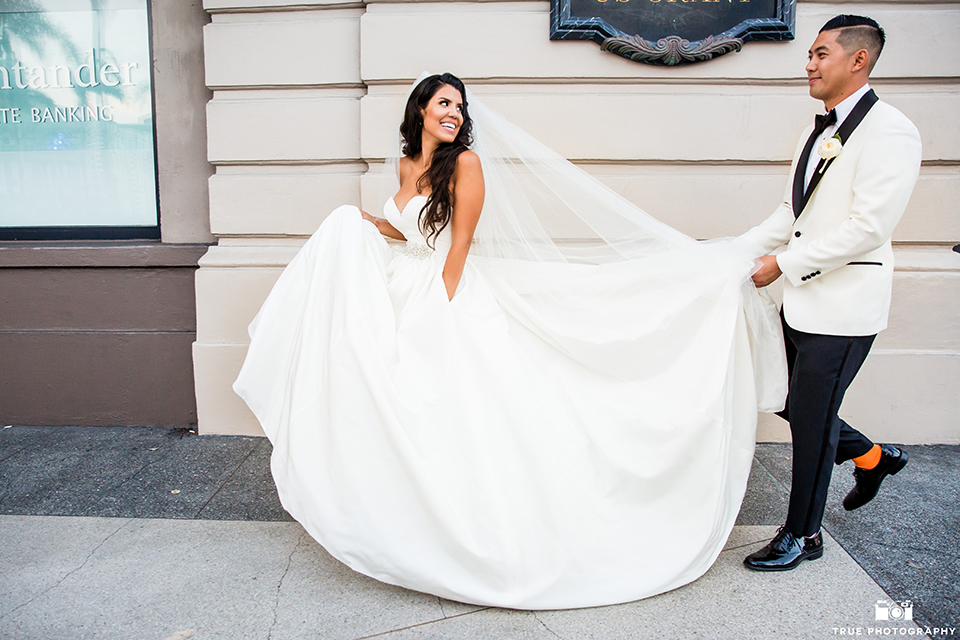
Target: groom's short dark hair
858, 32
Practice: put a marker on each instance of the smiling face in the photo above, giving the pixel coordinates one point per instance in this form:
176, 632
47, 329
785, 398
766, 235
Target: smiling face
443, 115
832, 73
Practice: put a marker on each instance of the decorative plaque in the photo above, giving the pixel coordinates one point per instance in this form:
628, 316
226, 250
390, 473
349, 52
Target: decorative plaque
671, 32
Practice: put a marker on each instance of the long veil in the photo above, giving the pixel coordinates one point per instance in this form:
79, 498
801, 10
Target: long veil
540, 207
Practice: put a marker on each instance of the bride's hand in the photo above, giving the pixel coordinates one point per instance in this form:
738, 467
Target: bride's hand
370, 218
384, 227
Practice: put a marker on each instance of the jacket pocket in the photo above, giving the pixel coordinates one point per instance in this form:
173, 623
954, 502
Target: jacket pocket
875, 264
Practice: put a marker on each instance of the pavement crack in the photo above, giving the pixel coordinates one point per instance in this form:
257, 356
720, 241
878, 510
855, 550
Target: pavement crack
421, 624
286, 570
910, 548
440, 602
544, 625
10, 454
226, 480
747, 544
118, 483
68, 573
771, 474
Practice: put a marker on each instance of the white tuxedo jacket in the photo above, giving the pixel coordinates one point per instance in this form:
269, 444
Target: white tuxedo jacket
838, 265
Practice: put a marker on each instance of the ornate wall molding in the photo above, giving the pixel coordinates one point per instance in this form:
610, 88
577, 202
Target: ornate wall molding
671, 50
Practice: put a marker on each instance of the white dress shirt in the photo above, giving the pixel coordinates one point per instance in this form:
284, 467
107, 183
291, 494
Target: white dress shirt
843, 110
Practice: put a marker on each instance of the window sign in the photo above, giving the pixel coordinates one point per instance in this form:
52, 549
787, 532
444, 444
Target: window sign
77, 153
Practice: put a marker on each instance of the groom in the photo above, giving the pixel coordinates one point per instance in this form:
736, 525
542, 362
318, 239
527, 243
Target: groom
852, 176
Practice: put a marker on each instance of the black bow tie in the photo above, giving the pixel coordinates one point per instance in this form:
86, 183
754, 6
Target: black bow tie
825, 120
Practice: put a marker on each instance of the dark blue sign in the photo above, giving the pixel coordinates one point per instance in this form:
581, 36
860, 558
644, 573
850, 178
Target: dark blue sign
672, 31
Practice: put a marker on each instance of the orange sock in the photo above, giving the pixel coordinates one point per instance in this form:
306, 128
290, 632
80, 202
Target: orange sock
870, 459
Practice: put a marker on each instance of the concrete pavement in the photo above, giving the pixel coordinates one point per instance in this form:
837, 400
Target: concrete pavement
161, 534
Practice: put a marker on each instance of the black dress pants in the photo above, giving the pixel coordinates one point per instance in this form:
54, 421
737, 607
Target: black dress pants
821, 367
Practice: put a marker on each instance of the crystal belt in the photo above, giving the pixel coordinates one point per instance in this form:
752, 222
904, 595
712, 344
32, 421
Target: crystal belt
417, 250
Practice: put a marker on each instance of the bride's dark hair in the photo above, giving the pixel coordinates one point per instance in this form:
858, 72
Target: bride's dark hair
437, 212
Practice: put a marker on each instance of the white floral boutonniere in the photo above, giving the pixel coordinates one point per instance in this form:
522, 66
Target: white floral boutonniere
829, 149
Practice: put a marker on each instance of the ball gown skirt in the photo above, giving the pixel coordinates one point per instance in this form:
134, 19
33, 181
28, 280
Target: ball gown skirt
556, 436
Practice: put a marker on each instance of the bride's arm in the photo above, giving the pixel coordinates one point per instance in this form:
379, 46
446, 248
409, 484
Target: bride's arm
383, 226
468, 201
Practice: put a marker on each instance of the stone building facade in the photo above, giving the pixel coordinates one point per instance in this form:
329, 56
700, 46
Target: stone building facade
305, 96
301, 98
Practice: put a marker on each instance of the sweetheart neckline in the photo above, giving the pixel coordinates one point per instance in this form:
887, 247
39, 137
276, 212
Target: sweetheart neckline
397, 207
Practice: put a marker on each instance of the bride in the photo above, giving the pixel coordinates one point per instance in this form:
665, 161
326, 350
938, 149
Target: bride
542, 398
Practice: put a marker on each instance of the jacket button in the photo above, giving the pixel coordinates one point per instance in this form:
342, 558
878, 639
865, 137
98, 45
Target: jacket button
796, 234
804, 278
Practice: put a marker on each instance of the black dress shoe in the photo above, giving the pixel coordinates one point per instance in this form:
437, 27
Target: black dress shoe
785, 552
868, 480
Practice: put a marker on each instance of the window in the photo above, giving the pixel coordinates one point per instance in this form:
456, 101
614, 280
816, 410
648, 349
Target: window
77, 143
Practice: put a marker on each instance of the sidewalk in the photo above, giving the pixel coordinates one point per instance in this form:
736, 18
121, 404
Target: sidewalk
160, 534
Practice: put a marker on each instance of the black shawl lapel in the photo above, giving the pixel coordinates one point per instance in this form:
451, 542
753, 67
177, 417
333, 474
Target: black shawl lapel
846, 128
799, 176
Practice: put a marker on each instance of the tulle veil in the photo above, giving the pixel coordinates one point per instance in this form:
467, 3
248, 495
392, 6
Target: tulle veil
540, 207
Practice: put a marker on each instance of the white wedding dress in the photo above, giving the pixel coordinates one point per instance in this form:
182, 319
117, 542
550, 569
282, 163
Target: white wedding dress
558, 435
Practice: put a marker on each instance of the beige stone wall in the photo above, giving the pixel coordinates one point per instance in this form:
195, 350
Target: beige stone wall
179, 91
306, 93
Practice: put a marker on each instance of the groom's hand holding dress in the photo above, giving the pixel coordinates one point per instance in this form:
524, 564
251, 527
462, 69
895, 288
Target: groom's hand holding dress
837, 218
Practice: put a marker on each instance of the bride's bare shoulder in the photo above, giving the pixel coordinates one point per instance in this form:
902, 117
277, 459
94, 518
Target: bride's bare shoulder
469, 167
469, 157
468, 183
